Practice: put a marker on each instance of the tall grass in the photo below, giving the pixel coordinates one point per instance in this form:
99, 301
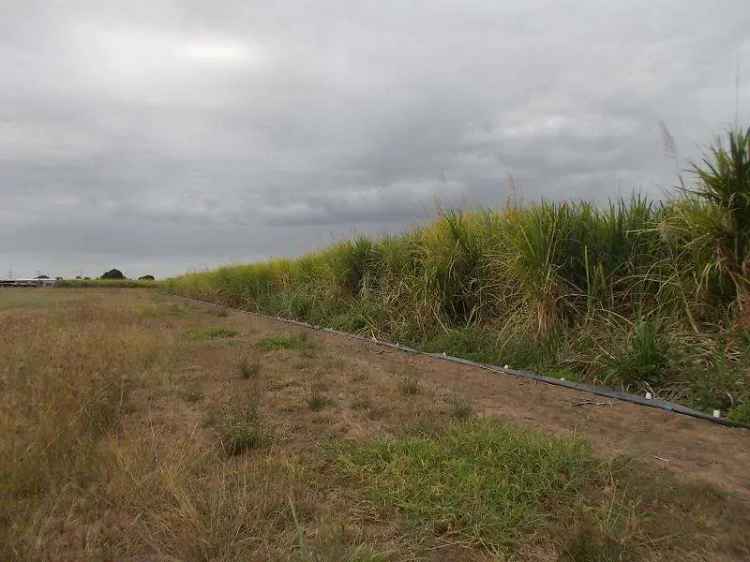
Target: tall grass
567, 287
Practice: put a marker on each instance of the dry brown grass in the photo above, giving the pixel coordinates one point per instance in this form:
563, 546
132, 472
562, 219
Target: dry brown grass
124, 437
107, 451
66, 376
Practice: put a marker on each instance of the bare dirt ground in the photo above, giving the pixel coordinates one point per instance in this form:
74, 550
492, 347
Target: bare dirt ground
149, 498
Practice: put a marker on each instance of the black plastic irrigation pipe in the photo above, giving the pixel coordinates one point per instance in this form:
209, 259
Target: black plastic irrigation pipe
581, 387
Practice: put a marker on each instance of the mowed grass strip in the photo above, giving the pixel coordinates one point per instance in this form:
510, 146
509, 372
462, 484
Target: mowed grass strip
483, 482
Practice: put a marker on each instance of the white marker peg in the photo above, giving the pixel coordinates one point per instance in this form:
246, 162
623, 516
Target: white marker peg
506, 367
717, 413
648, 396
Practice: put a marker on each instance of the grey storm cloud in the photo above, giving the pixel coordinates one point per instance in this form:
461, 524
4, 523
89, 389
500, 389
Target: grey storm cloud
165, 136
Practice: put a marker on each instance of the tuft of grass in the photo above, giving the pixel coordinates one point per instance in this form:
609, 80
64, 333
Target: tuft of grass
740, 413
410, 386
361, 404
213, 333
646, 357
483, 483
249, 369
240, 429
242, 438
297, 342
317, 401
460, 408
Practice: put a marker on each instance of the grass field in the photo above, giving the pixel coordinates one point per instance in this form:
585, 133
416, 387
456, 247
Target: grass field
138, 426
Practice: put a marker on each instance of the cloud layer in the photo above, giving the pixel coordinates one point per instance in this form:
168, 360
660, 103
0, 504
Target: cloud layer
165, 136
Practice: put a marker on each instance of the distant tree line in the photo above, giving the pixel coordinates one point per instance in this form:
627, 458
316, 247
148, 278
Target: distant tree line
117, 274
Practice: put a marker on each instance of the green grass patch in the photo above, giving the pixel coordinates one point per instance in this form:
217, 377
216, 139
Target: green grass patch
740, 414
296, 342
482, 481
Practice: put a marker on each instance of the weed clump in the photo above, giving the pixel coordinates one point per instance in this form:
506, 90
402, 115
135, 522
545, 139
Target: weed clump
317, 401
740, 414
460, 408
361, 404
249, 369
645, 359
409, 386
295, 342
240, 429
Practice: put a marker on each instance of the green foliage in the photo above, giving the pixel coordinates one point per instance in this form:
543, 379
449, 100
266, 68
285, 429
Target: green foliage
645, 359
740, 413
718, 387
481, 481
113, 274
470, 343
273, 343
725, 183
710, 226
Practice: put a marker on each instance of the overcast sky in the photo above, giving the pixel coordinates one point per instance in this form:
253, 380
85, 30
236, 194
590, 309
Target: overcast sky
166, 136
